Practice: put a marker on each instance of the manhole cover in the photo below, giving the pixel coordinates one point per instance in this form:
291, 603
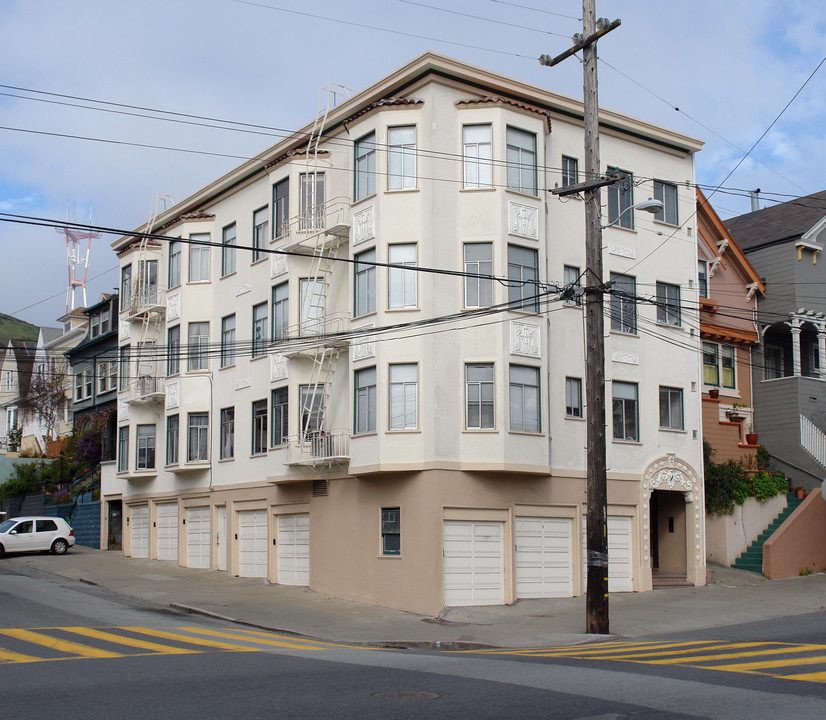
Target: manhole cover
406, 695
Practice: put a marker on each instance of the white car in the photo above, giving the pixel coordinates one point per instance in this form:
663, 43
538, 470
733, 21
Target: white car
24, 534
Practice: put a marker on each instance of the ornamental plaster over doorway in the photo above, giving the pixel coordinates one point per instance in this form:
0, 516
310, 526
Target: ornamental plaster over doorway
672, 473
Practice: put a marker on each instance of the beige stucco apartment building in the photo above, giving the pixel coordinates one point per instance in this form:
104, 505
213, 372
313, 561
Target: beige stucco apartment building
349, 363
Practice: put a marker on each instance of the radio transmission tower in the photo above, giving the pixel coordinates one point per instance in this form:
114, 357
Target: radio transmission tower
75, 264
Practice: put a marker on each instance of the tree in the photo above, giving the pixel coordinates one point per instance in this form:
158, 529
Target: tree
45, 398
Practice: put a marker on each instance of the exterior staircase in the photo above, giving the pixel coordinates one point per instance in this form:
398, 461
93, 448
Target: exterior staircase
664, 580
752, 558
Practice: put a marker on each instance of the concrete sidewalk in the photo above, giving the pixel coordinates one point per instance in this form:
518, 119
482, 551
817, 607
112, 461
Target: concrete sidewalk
734, 596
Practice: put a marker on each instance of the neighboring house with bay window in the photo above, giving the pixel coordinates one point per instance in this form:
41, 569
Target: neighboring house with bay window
729, 290
301, 401
785, 243
94, 364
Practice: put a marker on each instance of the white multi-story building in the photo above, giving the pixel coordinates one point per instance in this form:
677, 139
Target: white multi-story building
346, 364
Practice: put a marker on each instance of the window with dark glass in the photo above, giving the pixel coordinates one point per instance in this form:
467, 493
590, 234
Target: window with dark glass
228, 238
280, 417
281, 207
259, 427
391, 531
621, 199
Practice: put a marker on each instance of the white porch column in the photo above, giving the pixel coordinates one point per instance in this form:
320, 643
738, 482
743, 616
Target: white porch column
796, 370
821, 352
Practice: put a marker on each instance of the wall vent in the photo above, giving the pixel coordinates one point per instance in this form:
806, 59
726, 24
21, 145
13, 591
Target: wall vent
319, 488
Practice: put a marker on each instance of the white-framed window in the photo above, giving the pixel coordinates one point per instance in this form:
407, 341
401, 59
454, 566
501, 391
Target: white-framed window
198, 437
198, 346
145, 441
401, 157
572, 279
625, 411
199, 258
401, 283
523, 394
476, 156
280, 400
8, 377
479, 396
147, 282
365, 166
79, 386
228, 237
107, 376
404, 396
124, 362
125, 287
260, 228
573, 397
570, 171
312, 298
365, 400
175, 252
123, 448
671, 408
259, 329
281, 207
364, 276
228, 340
311, 201
173, 350
94, 325
702, 277
523, 277
259, 427
621, 200
173, 436
280, 310
312, 404
521, 160
719, 362
623, 303
478, 261
105, 319
391, 531
227, 446
666, 193
668, 304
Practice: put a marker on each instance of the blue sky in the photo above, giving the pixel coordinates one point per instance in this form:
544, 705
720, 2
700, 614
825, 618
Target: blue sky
730, 67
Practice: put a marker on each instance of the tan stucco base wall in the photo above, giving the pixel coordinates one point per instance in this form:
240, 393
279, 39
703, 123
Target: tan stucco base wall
727, 536
346, 559
799, 544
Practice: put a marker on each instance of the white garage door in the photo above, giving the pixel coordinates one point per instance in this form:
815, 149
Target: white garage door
140, 531
252, 543
168, 531
474, 563
620, 575
294, 549
544, 557
197, 537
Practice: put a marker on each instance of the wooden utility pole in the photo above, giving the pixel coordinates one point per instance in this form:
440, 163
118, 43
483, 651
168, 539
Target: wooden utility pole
596, 598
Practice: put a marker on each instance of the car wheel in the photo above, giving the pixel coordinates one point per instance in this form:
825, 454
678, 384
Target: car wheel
60, 546
2, 551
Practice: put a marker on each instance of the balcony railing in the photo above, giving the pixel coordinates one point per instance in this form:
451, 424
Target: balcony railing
331, 218
327, 325
146, 389
147, 298
320, 447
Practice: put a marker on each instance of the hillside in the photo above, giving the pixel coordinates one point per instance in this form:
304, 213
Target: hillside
12, 328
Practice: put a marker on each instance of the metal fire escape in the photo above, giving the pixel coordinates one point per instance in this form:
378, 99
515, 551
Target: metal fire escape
146, 311
322, 228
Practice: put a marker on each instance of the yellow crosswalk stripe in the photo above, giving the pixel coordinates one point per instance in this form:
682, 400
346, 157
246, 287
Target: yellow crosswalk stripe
769, 664
319, 643
810, 677
129, 641
64, 646
191, 639
7, 656
731, 656
605, 648
659, 653
262, 639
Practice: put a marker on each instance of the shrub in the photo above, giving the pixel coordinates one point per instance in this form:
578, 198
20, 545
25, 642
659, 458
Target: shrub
766, 484
727, 484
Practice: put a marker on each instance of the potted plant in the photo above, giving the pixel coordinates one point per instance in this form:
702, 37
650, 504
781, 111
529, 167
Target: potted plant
714, 393
735, 414
751, 438
801, 493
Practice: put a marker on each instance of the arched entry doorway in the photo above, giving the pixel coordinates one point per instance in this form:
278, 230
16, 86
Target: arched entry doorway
672, 520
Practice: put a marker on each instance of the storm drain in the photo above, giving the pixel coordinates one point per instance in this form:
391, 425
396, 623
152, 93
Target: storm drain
406, 695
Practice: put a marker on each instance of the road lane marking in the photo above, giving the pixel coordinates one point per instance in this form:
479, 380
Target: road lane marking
264, 640
192, 640
64, 646
7, 656
129, 641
